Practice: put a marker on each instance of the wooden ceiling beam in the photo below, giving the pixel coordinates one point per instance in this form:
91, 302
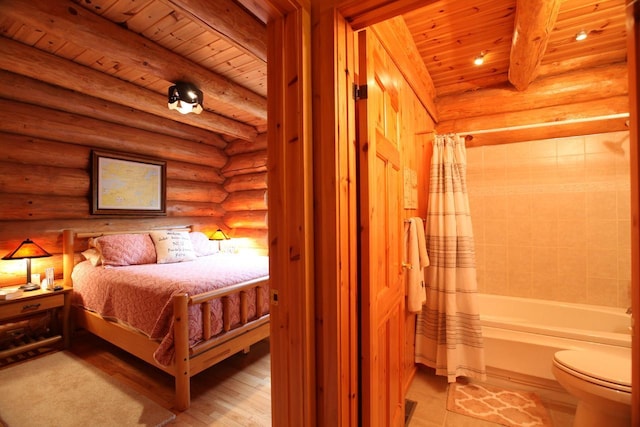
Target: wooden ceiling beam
31, 62
67, 21
534, 22
230, 21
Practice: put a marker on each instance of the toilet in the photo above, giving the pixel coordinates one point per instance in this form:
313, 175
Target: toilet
601, 381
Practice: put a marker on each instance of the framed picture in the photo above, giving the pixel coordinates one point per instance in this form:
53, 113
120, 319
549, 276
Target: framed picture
124, 184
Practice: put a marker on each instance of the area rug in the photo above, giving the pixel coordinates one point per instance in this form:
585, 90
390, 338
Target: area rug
498, 405
409, 407
60, 389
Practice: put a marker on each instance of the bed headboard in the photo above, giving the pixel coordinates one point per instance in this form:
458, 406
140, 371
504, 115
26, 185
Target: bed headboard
71, 238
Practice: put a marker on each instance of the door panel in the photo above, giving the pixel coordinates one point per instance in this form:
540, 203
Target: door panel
382, 284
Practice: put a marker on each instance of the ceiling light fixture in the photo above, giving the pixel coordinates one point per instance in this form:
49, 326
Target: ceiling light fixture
479, 60
581, 35
186, 98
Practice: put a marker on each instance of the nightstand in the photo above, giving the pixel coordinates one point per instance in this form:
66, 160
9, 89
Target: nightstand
34, 302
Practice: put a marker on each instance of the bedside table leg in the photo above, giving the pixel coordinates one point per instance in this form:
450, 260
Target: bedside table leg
66, 329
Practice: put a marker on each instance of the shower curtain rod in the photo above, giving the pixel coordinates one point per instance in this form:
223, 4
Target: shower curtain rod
538, 125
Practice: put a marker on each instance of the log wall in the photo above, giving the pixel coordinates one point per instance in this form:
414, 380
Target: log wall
45, 171
552, 107
246, 182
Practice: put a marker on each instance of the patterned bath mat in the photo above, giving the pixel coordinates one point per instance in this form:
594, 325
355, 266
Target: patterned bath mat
498, 405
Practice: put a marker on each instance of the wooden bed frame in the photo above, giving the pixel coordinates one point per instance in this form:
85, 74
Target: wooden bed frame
188, 361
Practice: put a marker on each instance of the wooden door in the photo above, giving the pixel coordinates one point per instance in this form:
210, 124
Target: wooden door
380, 199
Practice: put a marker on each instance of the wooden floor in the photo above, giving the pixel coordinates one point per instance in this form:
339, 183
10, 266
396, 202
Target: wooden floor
236, 392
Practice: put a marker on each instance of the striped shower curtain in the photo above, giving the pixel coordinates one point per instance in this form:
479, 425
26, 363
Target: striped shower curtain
448, 332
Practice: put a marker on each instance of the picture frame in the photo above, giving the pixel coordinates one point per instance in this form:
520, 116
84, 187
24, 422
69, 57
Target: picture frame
125, 184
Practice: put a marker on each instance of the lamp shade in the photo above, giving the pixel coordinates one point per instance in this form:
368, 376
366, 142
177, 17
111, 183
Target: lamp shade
186, 98
219, 235
27, 249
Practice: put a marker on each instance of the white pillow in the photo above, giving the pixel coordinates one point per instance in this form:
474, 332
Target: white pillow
172, 246
202, 246
93, 255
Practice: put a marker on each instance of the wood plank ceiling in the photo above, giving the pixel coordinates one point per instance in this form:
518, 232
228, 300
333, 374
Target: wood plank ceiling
450, 34
143, 46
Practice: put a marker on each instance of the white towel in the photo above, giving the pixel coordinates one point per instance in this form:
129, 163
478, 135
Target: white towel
418, 259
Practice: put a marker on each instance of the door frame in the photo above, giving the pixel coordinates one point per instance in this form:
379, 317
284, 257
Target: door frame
328, 327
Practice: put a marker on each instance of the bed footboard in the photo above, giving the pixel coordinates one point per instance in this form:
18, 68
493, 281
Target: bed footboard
191, 360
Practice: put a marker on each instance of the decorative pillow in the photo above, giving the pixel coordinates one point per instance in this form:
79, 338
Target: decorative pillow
173, 246
126, 249
93, 255
202, 246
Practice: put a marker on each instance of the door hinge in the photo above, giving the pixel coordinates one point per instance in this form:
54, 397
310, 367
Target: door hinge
359, 92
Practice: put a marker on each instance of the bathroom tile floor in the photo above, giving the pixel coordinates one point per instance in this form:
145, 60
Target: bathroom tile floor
430, 391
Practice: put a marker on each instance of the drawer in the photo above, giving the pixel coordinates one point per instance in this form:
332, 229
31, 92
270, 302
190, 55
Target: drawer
26, 306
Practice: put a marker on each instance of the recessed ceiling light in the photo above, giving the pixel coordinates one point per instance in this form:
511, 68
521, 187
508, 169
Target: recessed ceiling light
581, 35
479, 60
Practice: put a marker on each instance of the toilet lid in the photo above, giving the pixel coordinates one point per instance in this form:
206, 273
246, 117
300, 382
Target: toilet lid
609, 370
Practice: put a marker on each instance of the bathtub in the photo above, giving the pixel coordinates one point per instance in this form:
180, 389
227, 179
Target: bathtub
521, 335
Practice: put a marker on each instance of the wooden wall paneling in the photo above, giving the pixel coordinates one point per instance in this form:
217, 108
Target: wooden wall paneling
30, 207
250, 181
246, 219
239, 146
195, 209
250, 238
66, 20
570, 88
27, 150
246, 163
564, 118
48, 123
191, 191
335, 218
24, 60
198, 173
34, 206
246, 182
28, 90
395, 37
416, 126
41, 144
48, 234
549, 130
248, 200
291, 234
37, 180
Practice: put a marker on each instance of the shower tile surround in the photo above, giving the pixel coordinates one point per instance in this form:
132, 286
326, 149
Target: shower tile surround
551, 218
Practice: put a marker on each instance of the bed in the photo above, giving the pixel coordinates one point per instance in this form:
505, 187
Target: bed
178, 338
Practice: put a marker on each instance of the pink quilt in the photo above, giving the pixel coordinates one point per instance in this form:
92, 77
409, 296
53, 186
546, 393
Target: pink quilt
140, 295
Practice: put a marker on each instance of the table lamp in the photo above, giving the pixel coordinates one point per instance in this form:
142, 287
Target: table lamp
219, 235
27, 250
